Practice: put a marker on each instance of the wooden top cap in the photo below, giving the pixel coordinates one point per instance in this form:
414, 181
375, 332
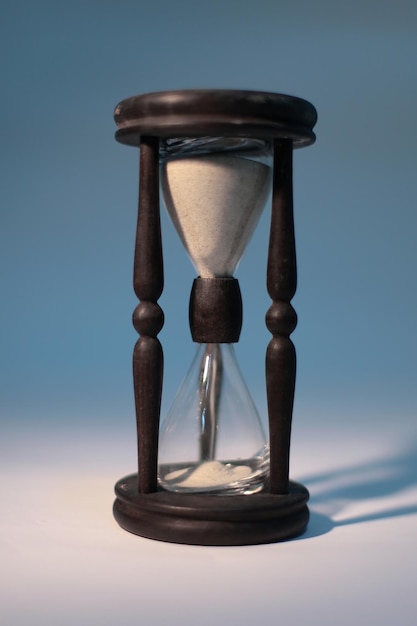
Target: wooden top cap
207, 112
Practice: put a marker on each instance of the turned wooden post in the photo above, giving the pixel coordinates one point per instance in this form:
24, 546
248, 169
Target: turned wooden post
281, 319
148, 317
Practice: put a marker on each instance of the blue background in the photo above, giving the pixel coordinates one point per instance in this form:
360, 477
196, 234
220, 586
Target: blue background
69, 196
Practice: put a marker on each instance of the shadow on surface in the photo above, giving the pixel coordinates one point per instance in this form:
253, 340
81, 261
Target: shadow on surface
381, 478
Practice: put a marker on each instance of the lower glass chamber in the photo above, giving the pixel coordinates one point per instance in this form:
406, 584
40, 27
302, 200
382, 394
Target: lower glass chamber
212, 440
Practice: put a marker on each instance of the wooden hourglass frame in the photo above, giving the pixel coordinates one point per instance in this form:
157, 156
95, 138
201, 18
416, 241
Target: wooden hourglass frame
280, 510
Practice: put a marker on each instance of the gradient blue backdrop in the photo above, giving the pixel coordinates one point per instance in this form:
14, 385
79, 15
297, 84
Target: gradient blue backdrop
69, 196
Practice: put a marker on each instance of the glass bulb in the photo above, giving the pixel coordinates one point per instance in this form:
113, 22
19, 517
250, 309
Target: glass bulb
215, 192
212, 439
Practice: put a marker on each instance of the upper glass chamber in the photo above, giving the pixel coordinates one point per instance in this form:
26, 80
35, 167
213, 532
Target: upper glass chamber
215, 189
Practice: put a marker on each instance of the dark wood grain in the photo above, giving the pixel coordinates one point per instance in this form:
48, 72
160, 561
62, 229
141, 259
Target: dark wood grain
211, 520
215, 311
215, 112
148, 317
281, 318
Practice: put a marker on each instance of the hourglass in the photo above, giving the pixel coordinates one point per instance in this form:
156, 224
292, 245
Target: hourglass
209, 475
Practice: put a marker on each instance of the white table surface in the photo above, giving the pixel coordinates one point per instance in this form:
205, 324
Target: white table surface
65, 561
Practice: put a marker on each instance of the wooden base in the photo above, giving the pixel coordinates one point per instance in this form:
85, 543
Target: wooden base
211, 520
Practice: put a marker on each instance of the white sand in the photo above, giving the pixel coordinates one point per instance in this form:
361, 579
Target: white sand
209, 474
215, 202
